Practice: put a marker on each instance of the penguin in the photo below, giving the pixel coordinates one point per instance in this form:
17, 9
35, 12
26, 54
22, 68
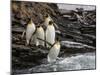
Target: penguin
40, 34
54, 51
34, 39
50, 34
47, 18
30, 29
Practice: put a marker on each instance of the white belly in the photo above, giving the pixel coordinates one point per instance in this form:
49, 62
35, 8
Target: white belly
50, 35
35, 40
29, 31
53, 53
40, 34
47, 21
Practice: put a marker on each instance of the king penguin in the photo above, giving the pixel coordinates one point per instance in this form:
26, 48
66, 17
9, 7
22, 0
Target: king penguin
50, 34
40, 35
54, 51
29, 31
47, 18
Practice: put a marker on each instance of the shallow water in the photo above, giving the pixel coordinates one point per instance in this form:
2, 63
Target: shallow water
77, 62
85, 61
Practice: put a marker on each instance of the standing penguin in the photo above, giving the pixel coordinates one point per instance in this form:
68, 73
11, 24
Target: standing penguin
50, 34
40, 35
29, 31
47, 18
54, 51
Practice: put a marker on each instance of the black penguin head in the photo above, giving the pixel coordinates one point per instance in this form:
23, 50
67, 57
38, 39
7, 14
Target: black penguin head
57, 39
50, 22
38, 26
30, 21
46, 16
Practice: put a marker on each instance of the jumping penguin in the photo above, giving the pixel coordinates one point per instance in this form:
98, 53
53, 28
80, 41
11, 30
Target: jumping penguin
54, 51
29, 31
50, 34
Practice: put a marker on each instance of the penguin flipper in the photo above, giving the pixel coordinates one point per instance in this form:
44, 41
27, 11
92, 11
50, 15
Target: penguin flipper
22, 36
45, 41
33, 35
56, 26
52, 46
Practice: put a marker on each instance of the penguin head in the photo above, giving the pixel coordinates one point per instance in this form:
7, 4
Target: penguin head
38, 26
46, 16
57, 40
30, 21
50, 22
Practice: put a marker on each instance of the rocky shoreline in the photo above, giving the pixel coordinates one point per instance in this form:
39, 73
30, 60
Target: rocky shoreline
77, 36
